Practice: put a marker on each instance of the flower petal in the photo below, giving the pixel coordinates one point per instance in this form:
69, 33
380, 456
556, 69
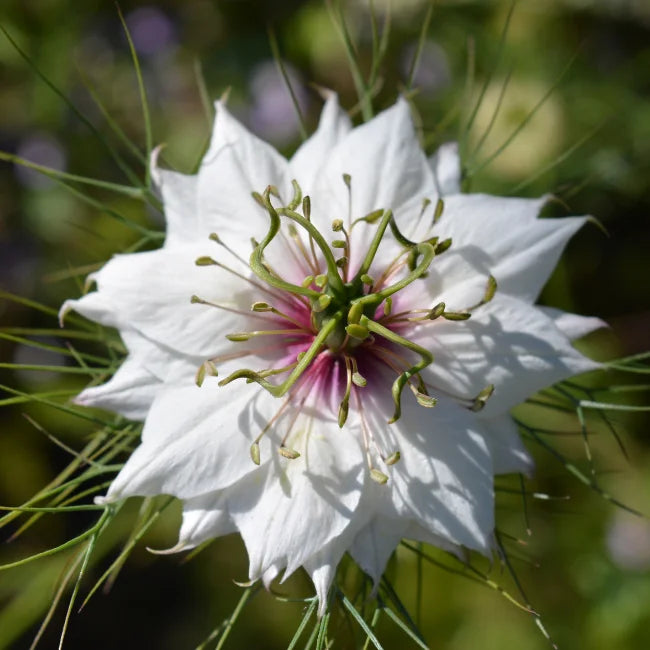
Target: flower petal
509, 455
445, 164
204, 518
312, 155
376, 542
502, 236
507, 343
179, 196
386, 165
196, 441
573, 326
443, 481
276, 509
158, 305
236, 164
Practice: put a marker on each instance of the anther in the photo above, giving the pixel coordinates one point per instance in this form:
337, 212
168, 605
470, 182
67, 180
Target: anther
437, 311
393, 458
343, 413
238, 337
482, 398
321, 281
297, 195
337, 225
378, 477
206, 261
443, 246
207, 368
259, 199
423, 399
338, 243
359, 380
306, 207
255, 453
261, 307
437, 213
308, 281
289, 453
366, 279
388, 306
425, 204
456, 315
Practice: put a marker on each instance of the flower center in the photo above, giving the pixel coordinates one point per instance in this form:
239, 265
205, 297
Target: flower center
344, 316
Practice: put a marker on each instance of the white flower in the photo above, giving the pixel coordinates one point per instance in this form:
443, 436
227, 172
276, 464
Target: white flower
291, 444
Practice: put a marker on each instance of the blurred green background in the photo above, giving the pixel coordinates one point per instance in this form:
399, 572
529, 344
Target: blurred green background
586, 568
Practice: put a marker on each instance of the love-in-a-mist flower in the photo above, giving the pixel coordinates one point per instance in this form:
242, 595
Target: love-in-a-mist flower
358, 330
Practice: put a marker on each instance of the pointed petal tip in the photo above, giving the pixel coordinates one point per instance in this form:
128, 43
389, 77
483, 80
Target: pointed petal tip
154, 169
177, 548
65, 308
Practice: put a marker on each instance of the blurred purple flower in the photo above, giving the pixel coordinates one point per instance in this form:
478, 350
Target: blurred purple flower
432, 73
152, 30
272, 114
42, 149
628, 541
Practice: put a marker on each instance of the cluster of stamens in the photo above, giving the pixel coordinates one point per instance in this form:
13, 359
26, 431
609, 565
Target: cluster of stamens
343, 314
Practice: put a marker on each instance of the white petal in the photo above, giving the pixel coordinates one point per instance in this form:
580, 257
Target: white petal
386, 165
204, 518
196, 441
142, 374
129, 392
236, 164
179, 195
443, 481
150, 292
376, 542
502, 236
295, 507
507, 343
445, 164
312, 155
509, 455
571, 325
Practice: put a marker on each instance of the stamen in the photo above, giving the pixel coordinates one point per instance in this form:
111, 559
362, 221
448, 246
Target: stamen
207, 368
196, 300
347, 179
306, 210
378, 476
357, 378
289, 453
208, 261
482, 398
437, 213
215, 238
264, 307
295, 236
345, 402
255, 447
375, 474
237, 337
